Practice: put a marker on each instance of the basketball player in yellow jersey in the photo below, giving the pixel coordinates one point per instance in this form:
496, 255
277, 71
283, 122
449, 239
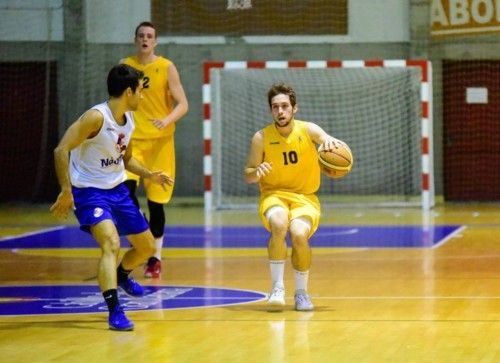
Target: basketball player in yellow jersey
284, 161
164, 103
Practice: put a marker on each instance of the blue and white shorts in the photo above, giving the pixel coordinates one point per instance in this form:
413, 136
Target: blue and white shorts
93, 205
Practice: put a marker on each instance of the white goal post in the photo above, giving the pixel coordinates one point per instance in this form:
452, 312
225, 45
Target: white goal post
381, 108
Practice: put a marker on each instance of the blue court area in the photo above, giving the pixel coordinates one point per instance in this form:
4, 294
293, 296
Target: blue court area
396, 236
77, 299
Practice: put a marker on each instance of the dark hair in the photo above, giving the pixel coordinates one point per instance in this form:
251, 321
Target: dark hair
281, 88
145, 23
121, 77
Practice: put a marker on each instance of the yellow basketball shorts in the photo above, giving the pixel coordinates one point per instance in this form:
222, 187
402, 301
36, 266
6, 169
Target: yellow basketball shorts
156, 155
297, 205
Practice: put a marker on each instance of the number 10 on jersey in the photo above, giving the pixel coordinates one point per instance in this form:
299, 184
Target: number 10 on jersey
290, 157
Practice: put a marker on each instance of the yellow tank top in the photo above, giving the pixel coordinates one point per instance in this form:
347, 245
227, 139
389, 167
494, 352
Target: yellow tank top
294, 160
157, 101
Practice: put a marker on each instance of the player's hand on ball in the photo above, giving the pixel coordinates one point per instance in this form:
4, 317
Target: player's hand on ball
335, 158
263, 169
330, 144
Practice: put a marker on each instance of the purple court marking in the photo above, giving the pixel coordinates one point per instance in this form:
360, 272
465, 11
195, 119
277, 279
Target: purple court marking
400, 236
77, 299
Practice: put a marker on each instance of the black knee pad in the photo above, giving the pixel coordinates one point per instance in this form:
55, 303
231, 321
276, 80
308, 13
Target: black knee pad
156, 218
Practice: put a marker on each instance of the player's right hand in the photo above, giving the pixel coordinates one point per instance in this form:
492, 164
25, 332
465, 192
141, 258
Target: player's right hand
63, 205
263, 169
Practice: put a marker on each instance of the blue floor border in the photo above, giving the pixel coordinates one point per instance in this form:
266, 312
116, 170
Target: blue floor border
198, 236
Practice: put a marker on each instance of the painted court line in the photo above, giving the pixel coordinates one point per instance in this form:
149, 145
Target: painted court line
33, 233
405, 297
198, 236
450, 236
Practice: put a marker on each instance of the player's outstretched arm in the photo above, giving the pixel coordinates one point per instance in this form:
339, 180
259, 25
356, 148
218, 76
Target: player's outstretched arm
320, 137
133, 165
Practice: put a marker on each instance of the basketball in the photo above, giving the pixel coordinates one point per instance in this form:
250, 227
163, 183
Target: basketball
335, 163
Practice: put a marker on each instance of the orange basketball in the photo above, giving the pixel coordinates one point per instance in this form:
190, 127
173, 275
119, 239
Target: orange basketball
335, 163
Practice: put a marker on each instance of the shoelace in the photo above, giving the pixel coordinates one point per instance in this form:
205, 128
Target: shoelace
277, 291
302, 298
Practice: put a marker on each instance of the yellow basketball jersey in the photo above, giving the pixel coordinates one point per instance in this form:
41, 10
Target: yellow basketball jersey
294, 161
157, 101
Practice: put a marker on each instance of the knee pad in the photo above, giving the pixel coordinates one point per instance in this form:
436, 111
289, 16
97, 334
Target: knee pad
272, 210
156, 218
304, 221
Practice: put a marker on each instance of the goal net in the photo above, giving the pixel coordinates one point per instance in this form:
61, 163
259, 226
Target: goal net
380, 108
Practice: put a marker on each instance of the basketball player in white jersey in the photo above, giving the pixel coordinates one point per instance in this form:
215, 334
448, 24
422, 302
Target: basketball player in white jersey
90, 162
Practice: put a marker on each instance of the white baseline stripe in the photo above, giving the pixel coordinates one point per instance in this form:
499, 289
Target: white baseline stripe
448, 237
45, 230
406, 297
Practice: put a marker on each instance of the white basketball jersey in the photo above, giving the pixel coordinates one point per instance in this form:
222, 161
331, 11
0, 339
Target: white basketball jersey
98, 162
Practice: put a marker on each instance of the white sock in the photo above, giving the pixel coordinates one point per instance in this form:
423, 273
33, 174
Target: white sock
159, 246
301, 280
277, 272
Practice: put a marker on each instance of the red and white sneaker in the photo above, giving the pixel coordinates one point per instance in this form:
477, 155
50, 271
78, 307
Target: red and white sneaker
153, 268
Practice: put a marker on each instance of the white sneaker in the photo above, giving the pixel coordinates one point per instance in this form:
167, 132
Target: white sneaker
303, 301
277, 297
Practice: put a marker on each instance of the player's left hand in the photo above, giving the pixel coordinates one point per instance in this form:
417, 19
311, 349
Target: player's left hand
330, 144
161, 178
160, 124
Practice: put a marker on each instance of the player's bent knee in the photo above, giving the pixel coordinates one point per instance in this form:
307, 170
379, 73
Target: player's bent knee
111, 245
106, 236
275, 211
279, 230
301, 236
300, 228
278, 220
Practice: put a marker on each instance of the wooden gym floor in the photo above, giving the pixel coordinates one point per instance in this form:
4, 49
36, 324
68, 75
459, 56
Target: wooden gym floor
389, 285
